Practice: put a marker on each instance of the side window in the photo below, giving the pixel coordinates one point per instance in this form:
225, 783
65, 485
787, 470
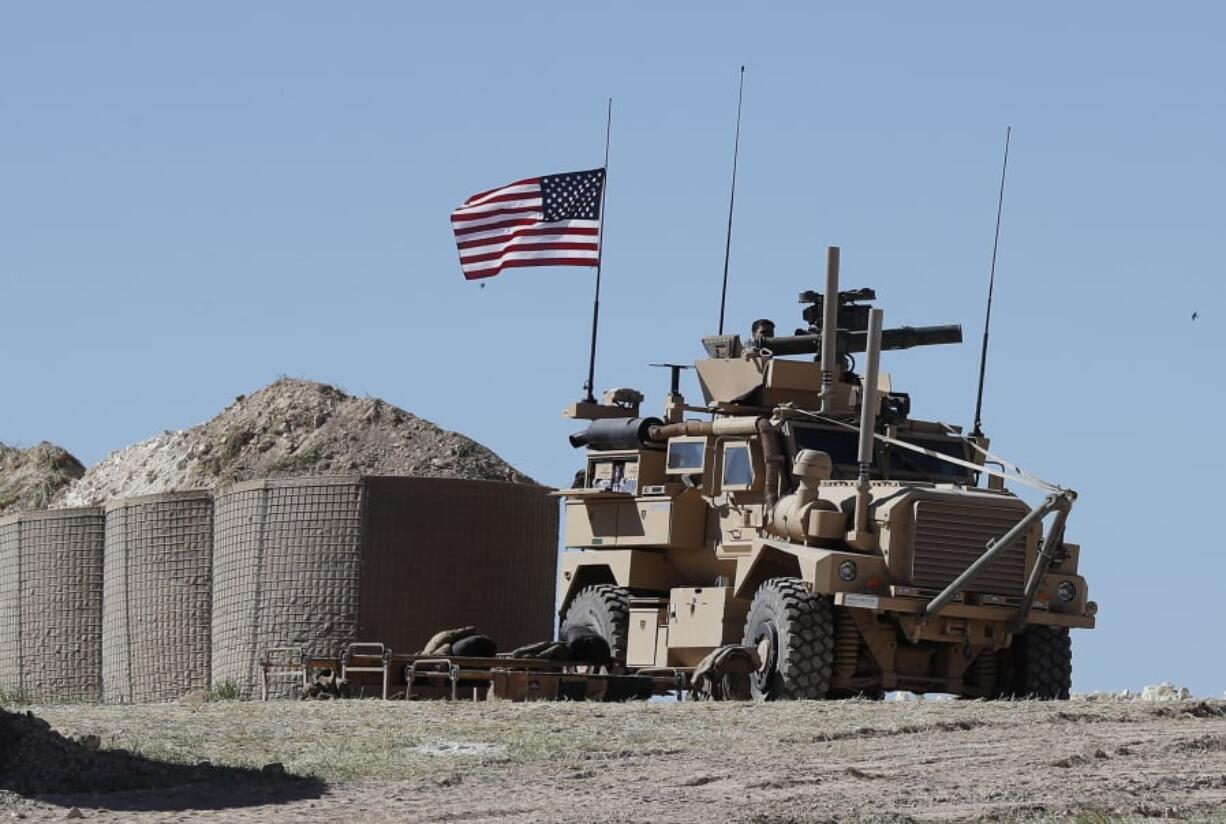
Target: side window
738, 468
615, 476
686, 457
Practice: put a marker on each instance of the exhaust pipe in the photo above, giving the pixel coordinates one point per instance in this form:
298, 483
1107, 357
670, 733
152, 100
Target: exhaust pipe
868, 418
830, 323
773, 457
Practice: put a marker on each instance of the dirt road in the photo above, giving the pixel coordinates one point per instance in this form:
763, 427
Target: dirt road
1085, 761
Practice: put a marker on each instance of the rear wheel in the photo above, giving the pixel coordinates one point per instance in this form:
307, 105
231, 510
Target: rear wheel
1041, 664
793, 631
597, 624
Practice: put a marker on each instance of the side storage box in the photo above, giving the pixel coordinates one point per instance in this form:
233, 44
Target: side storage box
665, 521
700, 619
602, 519
648, 633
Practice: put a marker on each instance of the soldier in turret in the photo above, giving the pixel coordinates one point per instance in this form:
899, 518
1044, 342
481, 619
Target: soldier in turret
762, 329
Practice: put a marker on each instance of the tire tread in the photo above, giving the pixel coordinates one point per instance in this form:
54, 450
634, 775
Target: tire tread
614, 602
1042, 664
806, 657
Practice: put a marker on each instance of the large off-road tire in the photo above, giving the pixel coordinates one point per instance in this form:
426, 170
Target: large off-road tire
793, 631
597, 625
1040, 664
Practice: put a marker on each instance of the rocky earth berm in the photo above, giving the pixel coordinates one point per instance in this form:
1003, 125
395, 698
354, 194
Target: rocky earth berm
290, 428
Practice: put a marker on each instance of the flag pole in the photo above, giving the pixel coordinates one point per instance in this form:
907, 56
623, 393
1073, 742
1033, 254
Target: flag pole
591, 364
736, 147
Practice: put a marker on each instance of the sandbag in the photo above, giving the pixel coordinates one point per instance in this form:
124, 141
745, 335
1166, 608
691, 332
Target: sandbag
724, 674
440, 643
544, 650
475, 646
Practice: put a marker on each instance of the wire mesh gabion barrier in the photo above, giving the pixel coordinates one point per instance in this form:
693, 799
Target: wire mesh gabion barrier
164, 594
316, 563
286, 561
157, 597
51, 604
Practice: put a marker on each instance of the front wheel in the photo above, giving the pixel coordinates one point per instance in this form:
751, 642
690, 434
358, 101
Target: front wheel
597, 625
1040, 664
793, 632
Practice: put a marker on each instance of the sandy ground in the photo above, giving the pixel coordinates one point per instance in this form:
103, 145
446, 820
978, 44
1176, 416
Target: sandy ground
1083, 761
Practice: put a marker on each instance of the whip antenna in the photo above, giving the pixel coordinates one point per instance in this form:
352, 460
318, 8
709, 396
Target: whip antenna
987, 320
736, 147
590, 385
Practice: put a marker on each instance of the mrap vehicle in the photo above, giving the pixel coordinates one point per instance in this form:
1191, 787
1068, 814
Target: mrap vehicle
808, 517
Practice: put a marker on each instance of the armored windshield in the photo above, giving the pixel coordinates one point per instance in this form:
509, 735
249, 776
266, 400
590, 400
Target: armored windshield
906, 464
899, 464
840, 444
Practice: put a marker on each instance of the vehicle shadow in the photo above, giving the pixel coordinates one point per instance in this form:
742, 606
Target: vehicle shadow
40, 764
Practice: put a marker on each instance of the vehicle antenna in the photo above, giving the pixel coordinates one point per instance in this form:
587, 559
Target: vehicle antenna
987, 320
591, 363
736, 147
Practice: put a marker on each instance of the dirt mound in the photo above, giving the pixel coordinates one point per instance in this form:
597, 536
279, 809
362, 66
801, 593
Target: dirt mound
289, 428
36, 760
31, 478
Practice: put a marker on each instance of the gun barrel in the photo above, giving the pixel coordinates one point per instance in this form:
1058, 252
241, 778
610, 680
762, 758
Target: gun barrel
903, 337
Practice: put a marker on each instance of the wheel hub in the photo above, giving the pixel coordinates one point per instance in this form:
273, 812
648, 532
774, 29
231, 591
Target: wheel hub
767, 644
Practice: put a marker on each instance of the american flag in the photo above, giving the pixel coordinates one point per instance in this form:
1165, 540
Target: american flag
539, 221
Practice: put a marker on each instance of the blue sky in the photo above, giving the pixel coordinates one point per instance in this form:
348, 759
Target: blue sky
197, 199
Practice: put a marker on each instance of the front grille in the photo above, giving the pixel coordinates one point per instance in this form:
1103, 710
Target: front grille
950, 536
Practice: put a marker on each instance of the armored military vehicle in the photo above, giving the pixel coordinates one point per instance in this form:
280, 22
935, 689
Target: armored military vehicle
808, 517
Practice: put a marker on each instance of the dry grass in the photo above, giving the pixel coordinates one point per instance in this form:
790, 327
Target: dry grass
861, 760
11, 697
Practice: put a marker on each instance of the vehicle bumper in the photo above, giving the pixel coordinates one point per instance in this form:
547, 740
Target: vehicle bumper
998, 614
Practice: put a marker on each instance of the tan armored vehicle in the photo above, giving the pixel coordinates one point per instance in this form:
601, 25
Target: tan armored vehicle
808, 517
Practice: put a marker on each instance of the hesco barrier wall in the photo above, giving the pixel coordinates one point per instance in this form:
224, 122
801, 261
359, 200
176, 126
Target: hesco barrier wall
441, 553
157, 597
320, 562
286, 562
51, 604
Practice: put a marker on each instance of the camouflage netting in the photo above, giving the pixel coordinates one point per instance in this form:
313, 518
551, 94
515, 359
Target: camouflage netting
289, 429
31, 478
51, 604
157, 597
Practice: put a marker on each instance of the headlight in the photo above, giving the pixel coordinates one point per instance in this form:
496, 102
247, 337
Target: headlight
848, 571
1066, 591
